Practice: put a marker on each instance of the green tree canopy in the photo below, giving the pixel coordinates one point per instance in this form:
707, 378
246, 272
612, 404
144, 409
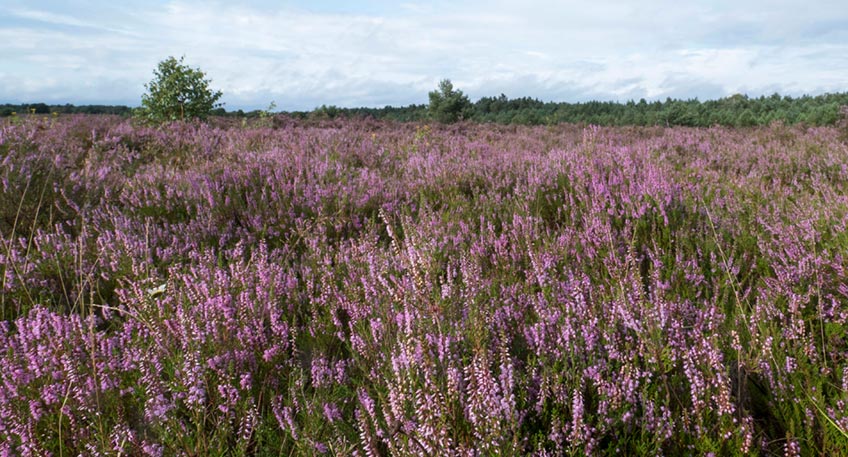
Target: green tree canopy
178, 92
448, 105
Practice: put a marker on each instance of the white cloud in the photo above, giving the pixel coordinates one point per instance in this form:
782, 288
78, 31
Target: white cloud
570, 51
58, 19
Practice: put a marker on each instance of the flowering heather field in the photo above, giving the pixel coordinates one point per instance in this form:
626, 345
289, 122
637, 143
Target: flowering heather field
364, 288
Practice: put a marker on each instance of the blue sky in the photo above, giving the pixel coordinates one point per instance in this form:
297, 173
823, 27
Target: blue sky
302, 54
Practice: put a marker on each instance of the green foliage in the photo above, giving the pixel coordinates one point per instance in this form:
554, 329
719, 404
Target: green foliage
42, 108
325, 112
735, 110
177, 92
746, 119
448, 105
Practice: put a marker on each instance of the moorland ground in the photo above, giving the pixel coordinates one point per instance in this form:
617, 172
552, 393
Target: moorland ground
371, 288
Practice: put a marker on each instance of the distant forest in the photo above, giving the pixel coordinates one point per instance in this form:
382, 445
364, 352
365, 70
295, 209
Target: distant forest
737, 110
43, 108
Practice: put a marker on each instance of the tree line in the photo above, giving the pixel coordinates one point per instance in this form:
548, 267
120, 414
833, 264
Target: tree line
10, 109
737, 111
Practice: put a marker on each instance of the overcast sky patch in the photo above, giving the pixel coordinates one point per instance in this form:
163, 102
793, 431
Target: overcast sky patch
304, 54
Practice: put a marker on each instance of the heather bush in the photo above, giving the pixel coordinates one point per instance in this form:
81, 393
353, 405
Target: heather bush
367, 288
